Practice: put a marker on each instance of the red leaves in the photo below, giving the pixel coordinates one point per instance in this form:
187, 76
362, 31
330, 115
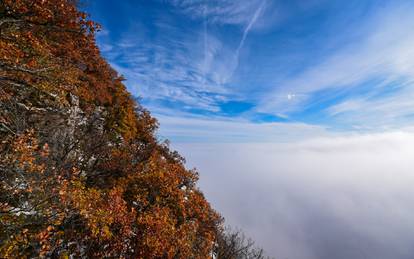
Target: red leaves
107, 190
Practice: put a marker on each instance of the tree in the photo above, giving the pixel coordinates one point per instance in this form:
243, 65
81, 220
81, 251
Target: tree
82, 173
233, 244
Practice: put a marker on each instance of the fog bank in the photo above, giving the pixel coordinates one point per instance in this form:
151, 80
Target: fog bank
333, 197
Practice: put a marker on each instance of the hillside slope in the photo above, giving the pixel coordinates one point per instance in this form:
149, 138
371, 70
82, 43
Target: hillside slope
81, 171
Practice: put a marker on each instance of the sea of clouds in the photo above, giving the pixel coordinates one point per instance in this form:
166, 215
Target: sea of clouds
320, 198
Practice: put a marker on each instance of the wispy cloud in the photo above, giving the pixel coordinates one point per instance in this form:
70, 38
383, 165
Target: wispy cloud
385, 53
199, 54
189, 67
219, 11
392, 111
170, 69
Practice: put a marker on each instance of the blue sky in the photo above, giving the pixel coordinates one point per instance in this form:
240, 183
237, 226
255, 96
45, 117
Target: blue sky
258, 70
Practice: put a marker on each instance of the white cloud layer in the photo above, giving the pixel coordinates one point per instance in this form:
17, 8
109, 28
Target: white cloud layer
321, 198
216, 130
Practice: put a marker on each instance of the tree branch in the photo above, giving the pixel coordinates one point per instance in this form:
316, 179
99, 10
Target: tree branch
7, 128
10, 20
23, 69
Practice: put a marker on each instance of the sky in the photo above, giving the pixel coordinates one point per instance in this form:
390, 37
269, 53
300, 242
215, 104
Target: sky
297, 114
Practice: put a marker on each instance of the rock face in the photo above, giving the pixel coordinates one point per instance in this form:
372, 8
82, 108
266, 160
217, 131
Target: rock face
82, 174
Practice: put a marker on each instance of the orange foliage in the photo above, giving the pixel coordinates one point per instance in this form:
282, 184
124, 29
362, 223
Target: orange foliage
84, 178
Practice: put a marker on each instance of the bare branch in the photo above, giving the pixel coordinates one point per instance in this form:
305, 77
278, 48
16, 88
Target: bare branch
23, 69
4, 126
10, 20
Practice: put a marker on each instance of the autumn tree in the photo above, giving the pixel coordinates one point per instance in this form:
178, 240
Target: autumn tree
82, 173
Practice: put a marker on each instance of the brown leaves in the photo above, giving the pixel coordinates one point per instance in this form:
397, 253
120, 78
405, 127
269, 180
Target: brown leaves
87, 178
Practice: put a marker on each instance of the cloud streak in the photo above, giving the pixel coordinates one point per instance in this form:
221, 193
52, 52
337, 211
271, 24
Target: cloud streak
246, 31
249, 26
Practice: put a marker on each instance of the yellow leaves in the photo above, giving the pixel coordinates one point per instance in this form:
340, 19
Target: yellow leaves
64, 255
158, 235
101, 209
8, 250
138, 195
107, 234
